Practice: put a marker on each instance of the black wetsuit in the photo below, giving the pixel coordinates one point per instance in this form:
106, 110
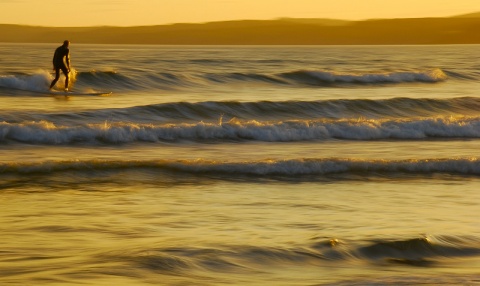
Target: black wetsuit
59, 64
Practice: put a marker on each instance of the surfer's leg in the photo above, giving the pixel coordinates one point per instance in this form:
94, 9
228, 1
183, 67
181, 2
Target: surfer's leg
65, 72
57, 76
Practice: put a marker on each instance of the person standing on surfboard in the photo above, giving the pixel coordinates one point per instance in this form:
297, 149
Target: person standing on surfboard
59, 63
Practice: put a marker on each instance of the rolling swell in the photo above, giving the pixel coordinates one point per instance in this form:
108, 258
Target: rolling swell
152, 80
418, 252
264, 110
326, 77
323, 78
107, 79
280, 169
48, 133
395, 107
297, 78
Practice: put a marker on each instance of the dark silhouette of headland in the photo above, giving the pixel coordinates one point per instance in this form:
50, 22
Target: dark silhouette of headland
463, 29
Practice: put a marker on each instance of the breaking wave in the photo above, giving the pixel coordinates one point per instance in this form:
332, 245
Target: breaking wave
45, 132
325, 77
148, 80
328, 78
38, 81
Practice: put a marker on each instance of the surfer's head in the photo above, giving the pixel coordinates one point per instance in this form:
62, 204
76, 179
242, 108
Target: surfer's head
66, 43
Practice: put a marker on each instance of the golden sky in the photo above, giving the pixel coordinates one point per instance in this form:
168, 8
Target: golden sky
70, 13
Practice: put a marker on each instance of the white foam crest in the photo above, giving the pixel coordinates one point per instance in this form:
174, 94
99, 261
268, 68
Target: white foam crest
44, 132
435, 75
39, 81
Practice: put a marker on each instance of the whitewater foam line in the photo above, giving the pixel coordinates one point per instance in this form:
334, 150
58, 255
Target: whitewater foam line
44, 132
34, 82
284, 168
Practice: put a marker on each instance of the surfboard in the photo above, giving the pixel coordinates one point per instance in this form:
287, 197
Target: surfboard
62, 92
79, 93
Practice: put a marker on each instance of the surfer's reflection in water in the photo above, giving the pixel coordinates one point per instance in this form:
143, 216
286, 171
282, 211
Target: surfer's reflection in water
61, 61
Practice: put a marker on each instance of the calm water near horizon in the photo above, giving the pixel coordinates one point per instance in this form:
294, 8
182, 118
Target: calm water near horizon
241, 165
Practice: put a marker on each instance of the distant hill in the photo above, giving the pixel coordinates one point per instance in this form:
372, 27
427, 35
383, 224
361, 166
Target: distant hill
462, 29
470, 15
324, 22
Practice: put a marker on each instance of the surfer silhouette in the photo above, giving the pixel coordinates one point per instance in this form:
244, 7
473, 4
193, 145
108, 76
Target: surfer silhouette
61, 61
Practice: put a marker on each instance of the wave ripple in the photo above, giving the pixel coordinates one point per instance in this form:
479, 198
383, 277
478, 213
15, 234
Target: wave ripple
287, 168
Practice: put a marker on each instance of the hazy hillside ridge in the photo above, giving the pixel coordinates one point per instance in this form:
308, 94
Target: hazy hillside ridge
461, 29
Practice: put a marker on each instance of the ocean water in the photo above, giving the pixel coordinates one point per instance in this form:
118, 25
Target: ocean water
241, 165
